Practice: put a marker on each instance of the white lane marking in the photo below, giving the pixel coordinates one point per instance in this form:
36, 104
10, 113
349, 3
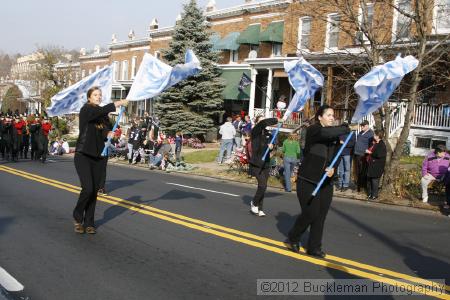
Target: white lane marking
196, 188
8, 282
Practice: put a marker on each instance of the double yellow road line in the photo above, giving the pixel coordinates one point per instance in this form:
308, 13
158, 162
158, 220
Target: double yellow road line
333, 262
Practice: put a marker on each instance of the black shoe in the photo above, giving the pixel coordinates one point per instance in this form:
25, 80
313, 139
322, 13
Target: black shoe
295, 246
316, 253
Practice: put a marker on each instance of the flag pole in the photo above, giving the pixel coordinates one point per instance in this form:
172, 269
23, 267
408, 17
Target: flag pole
338, 154
108, 142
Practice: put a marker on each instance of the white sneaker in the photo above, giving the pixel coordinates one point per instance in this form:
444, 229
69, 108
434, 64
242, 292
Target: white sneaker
261, 213
425, 200
254, 209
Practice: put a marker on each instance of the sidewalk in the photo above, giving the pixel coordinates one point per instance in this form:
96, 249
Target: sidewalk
223, 172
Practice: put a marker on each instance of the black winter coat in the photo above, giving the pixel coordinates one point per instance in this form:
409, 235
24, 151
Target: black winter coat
260, 138
92, 134
321, 145
377, 160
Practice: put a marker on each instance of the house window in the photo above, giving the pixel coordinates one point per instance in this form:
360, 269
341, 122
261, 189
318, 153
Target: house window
125, 70
83, 73
441, 17
402, 23
90, 71
116, 70
365, 20
276, 49
304, 32
157, 54
429, 142
97, 68
133, 66
233, 56
332, 36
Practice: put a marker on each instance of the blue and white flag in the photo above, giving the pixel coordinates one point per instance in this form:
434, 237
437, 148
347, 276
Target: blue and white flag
377, 86
154, 76
71, 99
305, 79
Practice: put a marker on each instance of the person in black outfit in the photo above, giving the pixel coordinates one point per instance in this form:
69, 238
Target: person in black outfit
321, 146
88, 160
375, 164
260, 138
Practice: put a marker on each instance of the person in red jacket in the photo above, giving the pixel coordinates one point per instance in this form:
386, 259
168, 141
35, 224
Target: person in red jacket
43, 138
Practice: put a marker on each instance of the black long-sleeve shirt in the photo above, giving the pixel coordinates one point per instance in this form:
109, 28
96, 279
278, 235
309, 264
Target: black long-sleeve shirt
91, 140
322, 144
260, 138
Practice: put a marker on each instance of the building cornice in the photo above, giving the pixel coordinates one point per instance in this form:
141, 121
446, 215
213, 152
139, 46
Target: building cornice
96, 55
252, 7
164, 31
129, 43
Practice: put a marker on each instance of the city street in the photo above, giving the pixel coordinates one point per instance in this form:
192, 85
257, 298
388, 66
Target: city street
172, 236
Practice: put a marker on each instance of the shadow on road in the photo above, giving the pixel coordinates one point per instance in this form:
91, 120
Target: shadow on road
112, 185
115, 211
422, 265
4, 223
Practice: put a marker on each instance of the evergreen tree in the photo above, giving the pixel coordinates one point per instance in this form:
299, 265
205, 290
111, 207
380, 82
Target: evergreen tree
194, 105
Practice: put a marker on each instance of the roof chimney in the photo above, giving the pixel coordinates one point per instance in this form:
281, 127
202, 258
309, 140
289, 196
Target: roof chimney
154, 24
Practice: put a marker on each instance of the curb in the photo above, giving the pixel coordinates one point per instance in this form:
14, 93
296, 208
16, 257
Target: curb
336, 194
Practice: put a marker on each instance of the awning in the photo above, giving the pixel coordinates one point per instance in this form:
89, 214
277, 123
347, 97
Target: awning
228, 42
232, 79
273, 33
214, 39
250, 35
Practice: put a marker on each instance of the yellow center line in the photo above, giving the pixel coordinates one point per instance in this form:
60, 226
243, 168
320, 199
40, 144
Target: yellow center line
210, 228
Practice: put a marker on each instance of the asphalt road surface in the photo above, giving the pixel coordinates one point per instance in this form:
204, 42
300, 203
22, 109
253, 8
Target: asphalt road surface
174, 236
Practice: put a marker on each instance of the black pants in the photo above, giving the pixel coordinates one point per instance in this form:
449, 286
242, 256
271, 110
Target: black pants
34, 149
43, 148
373, 184
25, 146
103, 178
360, 172
313, 213
89, 171
262, 175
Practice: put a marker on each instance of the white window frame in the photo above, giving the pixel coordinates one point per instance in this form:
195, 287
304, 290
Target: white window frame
361, 16
90, 71
395, 18
301, 35
275, 48
116, 70
328, 32
124, 73
234, 56
436, 28
133, 66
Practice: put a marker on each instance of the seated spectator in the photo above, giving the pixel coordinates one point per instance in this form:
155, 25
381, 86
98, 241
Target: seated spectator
65, 146
166, 162
158, 155
434, 167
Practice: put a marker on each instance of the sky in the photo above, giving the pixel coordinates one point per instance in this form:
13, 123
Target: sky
26, 24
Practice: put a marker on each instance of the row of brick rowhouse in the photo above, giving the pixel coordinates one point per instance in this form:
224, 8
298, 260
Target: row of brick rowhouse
257, 37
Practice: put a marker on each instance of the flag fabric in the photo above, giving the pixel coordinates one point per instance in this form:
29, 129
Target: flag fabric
245, 81
154, 76
71, 99
375, 88
305, 79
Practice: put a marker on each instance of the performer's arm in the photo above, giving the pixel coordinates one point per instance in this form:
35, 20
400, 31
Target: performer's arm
332, 133
258, 129
94, 112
